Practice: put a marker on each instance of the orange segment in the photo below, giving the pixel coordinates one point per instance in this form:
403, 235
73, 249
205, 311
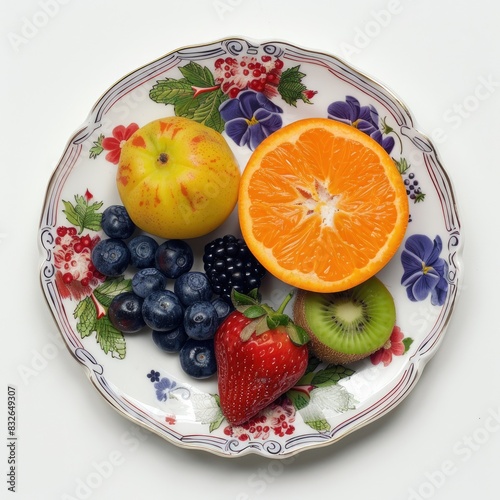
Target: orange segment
322, 205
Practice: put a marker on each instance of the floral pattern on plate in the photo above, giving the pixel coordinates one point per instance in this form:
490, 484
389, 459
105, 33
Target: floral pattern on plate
221, 85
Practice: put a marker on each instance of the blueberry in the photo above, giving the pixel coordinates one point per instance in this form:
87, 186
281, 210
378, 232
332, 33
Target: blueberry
142, 251
201, 320
116, 222
173, 258
125, 312
171, 341
197, 358
223, 309
148, 280
111, 257
162, 310
193, 287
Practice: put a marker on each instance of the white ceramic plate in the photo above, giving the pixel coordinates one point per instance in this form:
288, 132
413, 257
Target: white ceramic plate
147, 385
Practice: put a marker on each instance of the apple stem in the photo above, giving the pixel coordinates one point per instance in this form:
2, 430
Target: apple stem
202, 90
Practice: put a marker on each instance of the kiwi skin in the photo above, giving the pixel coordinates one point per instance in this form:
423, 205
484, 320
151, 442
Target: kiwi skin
322, 351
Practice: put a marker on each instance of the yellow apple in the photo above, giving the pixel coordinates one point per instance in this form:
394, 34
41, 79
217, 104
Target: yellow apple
177, 178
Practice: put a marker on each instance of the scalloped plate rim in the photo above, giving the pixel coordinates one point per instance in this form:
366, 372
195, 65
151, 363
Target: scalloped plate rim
418, 360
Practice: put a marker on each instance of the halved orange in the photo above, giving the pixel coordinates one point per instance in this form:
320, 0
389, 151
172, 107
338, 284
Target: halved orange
322, 205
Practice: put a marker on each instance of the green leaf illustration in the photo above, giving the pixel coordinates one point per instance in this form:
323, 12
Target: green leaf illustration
170, 91
407, 342
109, 338
106, 292
330, 375
197, 75
299, 399
195, 96
386, 129
207, 109
83, 215
291, 87
300, 395
215, 424
86, 315
419, 197
312, 364
91, 317
402, 165
97, 148
320, 425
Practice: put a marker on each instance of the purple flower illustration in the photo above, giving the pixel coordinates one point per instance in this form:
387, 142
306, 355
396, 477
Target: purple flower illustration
364, 118
250, 118
163, 388
424, 271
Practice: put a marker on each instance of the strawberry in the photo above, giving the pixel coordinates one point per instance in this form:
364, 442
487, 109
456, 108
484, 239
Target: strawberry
260, 355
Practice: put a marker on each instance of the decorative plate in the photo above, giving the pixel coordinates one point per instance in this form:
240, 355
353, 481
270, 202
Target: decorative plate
275, 83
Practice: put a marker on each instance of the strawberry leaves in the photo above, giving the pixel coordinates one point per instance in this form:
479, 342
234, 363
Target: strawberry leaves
257, 360
264, 318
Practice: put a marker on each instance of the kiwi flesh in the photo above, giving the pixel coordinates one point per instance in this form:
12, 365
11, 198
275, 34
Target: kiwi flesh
347, 326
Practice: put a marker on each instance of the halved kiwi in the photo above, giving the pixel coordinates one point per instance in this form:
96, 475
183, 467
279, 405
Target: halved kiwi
347, 326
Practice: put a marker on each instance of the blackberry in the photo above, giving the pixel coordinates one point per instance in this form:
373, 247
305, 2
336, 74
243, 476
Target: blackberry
229, 264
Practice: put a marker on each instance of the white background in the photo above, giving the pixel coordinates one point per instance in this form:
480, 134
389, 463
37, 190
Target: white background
441, 58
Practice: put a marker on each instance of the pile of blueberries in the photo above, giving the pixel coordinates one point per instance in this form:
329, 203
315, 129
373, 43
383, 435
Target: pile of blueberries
182, 321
